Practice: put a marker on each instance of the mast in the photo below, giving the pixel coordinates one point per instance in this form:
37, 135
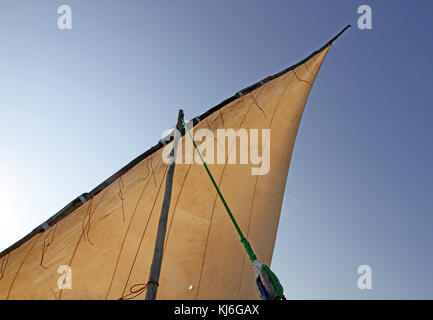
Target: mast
155, 269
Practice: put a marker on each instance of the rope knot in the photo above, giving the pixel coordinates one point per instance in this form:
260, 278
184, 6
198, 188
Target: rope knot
138, 289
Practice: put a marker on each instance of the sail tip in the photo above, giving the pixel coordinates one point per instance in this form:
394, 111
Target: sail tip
339, 34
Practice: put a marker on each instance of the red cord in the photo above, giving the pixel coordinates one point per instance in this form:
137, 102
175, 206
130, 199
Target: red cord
136, 292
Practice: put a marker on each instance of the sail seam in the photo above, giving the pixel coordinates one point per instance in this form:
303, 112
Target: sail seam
79, 240
120, 194
19, 268
3, 266
175, 207
144, 231
129, 225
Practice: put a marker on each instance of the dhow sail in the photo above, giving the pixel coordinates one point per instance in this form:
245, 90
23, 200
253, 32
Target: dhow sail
100, 246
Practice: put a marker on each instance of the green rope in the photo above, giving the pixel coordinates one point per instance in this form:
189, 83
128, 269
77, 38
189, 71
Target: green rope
244, 240
274, 281
249, 250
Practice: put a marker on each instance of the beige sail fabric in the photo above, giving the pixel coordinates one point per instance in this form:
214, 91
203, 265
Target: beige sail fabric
108, 241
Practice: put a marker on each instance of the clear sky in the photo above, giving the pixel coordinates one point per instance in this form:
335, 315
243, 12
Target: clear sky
77, 105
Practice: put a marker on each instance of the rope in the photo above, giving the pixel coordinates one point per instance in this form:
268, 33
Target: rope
257, 105
86, 226
136, 292
249, 250
244, 241
301, 80
47, 243
121, 187
3, 265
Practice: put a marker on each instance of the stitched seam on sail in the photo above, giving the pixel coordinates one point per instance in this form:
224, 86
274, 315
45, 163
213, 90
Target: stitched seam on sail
153, 174
144, 232
19, 268
129, 225
3, 265
120, 194
79, 240
174, 209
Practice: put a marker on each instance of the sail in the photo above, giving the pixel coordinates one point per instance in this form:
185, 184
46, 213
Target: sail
107, 237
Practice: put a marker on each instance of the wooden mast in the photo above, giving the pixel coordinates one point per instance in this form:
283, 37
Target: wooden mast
155, 269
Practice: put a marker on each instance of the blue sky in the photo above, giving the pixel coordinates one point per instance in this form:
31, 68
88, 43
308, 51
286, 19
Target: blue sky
77, 105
